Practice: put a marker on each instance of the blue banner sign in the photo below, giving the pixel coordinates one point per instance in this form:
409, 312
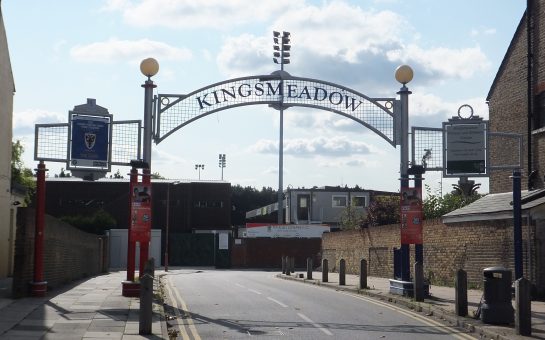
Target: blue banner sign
90, 139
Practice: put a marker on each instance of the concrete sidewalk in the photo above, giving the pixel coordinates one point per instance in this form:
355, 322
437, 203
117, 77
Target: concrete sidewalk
86, 309
440, 305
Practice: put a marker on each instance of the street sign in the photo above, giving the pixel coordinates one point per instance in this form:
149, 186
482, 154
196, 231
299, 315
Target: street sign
465, 152
90, 141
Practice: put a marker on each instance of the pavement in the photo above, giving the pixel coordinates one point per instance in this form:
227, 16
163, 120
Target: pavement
94, 308
439, 305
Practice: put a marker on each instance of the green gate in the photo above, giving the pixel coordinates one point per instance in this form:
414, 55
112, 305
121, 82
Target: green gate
198, 250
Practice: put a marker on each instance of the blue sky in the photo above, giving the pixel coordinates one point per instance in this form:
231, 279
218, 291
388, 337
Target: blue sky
63, 52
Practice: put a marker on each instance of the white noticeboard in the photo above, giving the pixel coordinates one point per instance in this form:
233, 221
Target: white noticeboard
223, 242
465, 151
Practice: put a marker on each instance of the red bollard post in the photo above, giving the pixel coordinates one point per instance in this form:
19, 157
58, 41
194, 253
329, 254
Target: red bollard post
39, 286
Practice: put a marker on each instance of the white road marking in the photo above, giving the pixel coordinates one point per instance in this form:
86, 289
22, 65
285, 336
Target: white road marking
317, 325
254, 291
238, 284
278, 302
441, 327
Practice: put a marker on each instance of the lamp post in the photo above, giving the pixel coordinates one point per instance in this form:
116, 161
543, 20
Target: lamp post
199, 167
168, 222
149, 67
222, 163
281, 56
404, 74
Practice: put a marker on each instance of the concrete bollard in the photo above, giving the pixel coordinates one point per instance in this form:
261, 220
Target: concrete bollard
309, 268
325, 270
460, 293
283, 265
363, 274
418, 282
523, 307
292, 264
342, 272
146, 299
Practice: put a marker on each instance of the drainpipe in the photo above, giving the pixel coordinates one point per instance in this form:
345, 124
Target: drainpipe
529, 93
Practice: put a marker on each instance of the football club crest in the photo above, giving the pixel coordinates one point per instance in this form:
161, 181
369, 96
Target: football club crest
90, 139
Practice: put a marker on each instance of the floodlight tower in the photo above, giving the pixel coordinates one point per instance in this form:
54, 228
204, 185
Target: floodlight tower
199, 167
281, 55
222, 163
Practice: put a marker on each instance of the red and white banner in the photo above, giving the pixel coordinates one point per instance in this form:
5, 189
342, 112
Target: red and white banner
411, 215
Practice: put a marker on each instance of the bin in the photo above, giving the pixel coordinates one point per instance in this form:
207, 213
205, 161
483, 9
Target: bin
497, 307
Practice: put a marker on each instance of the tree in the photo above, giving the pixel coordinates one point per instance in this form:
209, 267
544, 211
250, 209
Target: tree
436, 206
352, 219
96, 223
248, 198
117, 175
155, 175
383, 210
19, 173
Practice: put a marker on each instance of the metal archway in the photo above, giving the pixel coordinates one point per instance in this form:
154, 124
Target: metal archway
278, 90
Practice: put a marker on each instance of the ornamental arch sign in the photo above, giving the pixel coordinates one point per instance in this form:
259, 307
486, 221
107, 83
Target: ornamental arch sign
279, 90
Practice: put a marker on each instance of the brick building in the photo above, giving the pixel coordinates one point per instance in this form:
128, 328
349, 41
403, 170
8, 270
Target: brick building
517, 100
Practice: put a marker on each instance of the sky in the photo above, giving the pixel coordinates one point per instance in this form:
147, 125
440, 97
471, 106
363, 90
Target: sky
63, 52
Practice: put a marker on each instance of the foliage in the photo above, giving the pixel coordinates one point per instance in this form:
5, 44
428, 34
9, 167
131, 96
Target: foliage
248, 198
117, 175
63, 174
155, 175
436, 206
383, 210
21, 174
96, 223
351, 218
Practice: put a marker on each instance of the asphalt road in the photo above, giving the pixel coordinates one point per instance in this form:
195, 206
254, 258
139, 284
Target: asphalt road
228, 304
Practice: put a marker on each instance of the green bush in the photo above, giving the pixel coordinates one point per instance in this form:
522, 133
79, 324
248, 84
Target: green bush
96, 223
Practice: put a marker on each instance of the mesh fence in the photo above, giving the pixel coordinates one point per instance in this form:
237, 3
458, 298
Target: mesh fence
51, 142
427, 144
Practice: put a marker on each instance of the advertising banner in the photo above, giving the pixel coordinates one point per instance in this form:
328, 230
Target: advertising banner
90, 141
285, 230
411, 215
141, 212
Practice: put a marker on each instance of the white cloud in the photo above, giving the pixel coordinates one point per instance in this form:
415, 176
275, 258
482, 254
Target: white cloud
339, 41
319, 146
24, 121
443, 62
114, 50
187, 14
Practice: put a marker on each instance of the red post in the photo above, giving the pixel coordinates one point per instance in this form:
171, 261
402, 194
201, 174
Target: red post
145, 240
131, 247
39, 286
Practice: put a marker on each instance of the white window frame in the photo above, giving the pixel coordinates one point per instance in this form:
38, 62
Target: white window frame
339, 206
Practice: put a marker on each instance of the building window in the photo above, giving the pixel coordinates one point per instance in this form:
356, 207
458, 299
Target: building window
339, 201
208, 204
359, 201
539, 111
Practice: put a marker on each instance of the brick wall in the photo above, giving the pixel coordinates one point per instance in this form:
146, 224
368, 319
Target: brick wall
508, 101
69, 253
447, 248
268, 252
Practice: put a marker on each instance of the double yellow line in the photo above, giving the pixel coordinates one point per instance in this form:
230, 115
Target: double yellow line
177, 302
427, 321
